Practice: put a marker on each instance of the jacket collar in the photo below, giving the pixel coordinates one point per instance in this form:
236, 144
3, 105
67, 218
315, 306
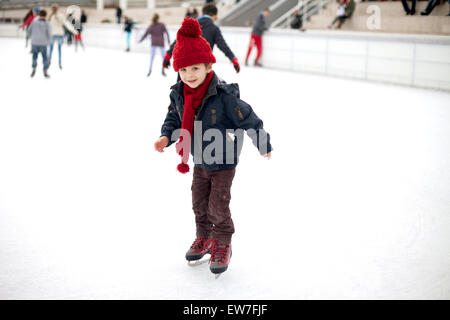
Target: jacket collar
204, 16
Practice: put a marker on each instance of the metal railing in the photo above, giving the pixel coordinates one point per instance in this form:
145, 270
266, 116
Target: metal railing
307, 8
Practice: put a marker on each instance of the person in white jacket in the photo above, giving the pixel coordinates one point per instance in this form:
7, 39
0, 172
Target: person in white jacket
58, 22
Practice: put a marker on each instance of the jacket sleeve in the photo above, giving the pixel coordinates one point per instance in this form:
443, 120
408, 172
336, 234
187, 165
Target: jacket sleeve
243, 117
171, 123
49, 32
170, 51
69, 26
220, 41
28, 21
147, 31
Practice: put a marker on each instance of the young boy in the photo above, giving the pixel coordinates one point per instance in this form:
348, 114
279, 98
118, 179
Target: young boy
40, 34
203, 105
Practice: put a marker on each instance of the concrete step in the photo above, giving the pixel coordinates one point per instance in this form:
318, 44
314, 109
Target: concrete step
408, 25
392, 19
388, 9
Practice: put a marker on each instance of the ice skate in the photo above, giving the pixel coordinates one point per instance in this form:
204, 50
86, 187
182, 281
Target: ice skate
220, 258
198, 249
33, 72
46, 74
149, 73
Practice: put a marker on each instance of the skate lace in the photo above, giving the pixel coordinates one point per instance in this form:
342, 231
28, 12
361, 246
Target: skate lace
198, 244
219, 252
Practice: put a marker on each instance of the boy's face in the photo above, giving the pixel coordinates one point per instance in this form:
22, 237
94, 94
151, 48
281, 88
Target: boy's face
194, 75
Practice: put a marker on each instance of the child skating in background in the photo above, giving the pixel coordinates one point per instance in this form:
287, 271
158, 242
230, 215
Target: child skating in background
40, 34
128, 27
201, 98
156, 30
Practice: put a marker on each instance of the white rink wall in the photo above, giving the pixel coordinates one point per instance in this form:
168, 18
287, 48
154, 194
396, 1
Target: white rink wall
414, 60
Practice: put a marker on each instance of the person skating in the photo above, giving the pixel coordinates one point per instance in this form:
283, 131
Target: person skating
58, 23
128, 26
40, 34
199, 102
156, 30
211, 33
29, 18
259, 26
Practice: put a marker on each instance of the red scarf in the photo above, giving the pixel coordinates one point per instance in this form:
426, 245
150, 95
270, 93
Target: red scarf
193, 98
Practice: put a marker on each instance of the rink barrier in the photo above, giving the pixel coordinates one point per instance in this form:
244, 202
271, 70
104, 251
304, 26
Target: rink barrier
413, 60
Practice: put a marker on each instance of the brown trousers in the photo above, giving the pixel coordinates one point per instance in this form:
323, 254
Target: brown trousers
211, 203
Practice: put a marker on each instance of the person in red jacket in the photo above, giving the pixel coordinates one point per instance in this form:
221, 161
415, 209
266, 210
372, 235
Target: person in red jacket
29, 18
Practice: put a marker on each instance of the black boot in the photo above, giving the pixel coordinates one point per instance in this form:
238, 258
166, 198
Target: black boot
33, 72
46, 74
149, 73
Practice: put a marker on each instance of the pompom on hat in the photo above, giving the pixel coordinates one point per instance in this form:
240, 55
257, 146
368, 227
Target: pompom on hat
191, 48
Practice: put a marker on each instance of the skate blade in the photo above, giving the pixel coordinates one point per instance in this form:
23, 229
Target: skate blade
197, 262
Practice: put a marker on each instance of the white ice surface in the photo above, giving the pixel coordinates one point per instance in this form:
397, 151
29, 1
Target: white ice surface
355, 202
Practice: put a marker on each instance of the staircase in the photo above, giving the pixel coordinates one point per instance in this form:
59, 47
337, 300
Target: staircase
392, 19
243, 14
308, 8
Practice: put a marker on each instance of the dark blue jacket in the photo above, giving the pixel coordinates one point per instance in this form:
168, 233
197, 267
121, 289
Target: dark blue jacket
221, 109
212, 34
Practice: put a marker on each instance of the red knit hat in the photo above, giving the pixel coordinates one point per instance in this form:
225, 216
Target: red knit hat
191, 48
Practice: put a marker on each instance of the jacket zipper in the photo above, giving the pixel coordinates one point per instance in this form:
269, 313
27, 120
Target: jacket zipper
195, 118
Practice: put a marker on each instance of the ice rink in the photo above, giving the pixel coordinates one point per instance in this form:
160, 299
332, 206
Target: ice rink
355, 202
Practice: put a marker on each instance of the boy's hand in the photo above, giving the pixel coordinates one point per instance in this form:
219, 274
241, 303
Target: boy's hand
267, 156
161, 143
